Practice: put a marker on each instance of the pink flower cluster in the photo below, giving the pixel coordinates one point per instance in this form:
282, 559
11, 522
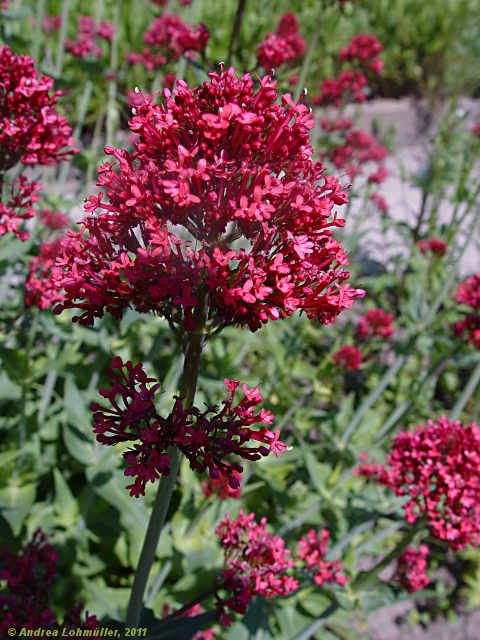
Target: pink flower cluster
434, 245
376, 323
173, 37
221, 197
206, 438
19, 207
25, 598
349, 85
255, 563
312, 549
364, 49
39, 290
411, 567
85, 44
50, 24
437, 467
53, 220
360, 149
31, 131
469, 293
348, 357
283, 46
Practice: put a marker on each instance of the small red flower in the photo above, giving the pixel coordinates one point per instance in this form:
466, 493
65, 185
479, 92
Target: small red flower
312, 549
468, 293
19, 207
283, 46
376, 323
435, 245
348, 357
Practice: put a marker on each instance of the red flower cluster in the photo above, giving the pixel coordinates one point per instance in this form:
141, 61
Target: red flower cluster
364, 48
283, 46
206, 438
469, 293
31, 131
85, 44
25, 599
221, 486
312, 549
380, 202
173, 37
50, 24
348, 357
18, 207
437, 467
411, 567
220, 197
163, 3
39, 290
376, 323
476, 130
148, 58
435, 245
349, 85
53, 219
339, 124
255, 563
358, 149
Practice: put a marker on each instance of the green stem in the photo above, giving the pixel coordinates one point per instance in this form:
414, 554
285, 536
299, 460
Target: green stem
466, 394
112, 114
188, 385
307, 61
237, 23
316, 625
61, 38
38, 29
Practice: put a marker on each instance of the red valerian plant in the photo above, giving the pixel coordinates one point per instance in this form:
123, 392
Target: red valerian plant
255, 563
283, 46
348, 357
19, 207
221, 199
220, 486
173, 37
364, 48
437, 467
39, 290
25, 597
376, 323
411, 567
312, 549
31, 131
206, 438
468, 293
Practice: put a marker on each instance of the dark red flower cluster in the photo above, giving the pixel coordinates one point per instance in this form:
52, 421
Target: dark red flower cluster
380, 202
434, 245
476, 130
173, 37
39, 290
207, 438
349, 85
339, 124
31, 131
283, 46
26, 595
50, 24
469, 293
255, 563
85, 44
348, 357
376, 323
220, 197
312, 549
163, 3
221, 487
360, 149
19, 207
364, 49
411, 567
148, 58
437, 467
53, 220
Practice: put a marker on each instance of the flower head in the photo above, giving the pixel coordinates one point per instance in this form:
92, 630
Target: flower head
437, 468
255, 563
207, 438
221, 198
312, 549
411, 567
283, 46
348, 357
468, 293
376, 323
31, 131
19, 207
434, 245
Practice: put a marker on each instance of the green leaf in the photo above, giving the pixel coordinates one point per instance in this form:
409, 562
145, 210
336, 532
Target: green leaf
15, 504
8, 389
65, 504
77, 434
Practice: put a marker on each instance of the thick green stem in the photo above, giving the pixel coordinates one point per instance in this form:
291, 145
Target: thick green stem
188, 385
237, 23
307, 61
